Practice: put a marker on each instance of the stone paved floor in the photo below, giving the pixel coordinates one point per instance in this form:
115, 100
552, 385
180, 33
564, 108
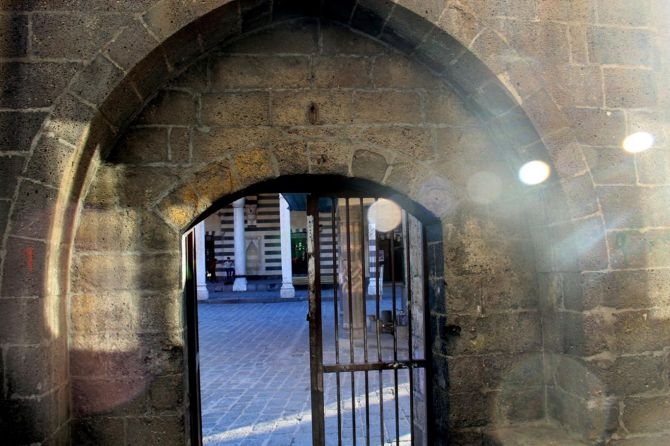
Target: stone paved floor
254, 366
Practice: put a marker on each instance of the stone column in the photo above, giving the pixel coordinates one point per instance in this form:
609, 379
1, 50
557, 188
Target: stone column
200, 262
240, 283
376, 275
287, 289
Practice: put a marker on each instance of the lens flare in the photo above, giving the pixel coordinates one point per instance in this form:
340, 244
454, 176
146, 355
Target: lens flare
534, 172
638, 142
385, 215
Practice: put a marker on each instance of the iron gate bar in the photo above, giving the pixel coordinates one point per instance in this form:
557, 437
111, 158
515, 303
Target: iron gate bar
395, 342
351, 329
365, 331
314, 317
410, 297
336, 316
379, 285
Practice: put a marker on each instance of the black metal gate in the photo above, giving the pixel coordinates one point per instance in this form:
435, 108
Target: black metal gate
367, 335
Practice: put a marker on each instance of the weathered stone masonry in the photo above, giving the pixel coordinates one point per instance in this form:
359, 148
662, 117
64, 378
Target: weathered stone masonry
560, 290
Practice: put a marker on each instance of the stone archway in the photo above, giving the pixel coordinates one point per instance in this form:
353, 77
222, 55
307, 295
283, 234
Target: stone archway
222, 127
124, 196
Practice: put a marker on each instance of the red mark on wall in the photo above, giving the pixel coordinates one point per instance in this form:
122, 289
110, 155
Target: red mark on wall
29, 258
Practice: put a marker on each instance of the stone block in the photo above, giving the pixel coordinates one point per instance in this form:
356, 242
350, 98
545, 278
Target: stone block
166, 393
243, 71
466, 374
25, 261
610, 166
566, 153
26, 419
156, 234
252, 166
125, 272
13, 35
518, 405
587, 334
143, 145
393, 70
124, 396
329, 157
311, 107
647, 440
646, 414
220, 25
291, 157
594, 420
641, 331
370, 15
73, 36
404, 29
4, 214
578, 377
227, 109
72, 121
415, 142
137, 186
621, 46
132, 44
214, 143
33, 85
107, 230
97, 80
496, 333
629, 88
10, 169
439, 50
597, 127
515, 127
387, 107
632, 375
35, 367
169, 108
651, 202
509, 373
576, 85
165, 429
342, 72
102, 431
445, 107
22, 322
213, 182
338, 40
628, 289
180, 207
469, 409
589, 237
179, 145
639, 249
17, 130
294, 37
50, 162
653, 166
369, 165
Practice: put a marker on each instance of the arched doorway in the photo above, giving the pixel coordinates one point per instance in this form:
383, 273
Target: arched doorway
369, 346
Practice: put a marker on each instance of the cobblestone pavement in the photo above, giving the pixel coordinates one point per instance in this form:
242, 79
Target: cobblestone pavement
255, 382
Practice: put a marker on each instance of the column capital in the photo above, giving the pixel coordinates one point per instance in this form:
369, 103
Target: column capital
238, 203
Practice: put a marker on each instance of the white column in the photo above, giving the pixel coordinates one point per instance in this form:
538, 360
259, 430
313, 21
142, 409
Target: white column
373, 281
287, 289
200, 264
240, 283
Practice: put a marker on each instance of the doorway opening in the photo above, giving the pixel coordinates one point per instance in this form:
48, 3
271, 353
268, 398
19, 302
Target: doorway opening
356, 370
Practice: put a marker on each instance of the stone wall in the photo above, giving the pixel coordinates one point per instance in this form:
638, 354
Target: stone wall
556, 80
